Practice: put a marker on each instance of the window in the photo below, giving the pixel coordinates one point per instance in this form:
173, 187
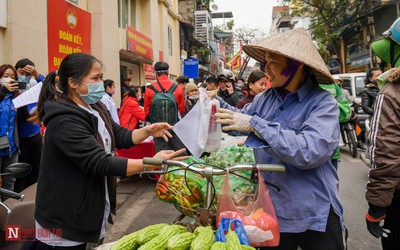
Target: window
360, 84
126, 13
169, 40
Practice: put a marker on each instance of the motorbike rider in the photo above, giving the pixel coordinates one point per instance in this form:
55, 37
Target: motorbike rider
227, 90
370, 91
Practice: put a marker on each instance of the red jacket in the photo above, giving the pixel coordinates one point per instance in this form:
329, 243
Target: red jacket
130, 113
166, 83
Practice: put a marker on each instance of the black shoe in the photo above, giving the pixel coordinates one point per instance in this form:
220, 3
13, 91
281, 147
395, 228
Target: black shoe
361, 146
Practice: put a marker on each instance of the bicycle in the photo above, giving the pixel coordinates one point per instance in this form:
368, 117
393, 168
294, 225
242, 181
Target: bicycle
207, 215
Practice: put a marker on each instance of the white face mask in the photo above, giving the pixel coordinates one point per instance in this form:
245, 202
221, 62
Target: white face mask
5, 80
194, 97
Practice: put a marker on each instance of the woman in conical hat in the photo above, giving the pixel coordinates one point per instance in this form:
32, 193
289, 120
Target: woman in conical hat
295, 123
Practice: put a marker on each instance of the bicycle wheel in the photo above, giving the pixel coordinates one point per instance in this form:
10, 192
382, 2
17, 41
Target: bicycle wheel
352, 142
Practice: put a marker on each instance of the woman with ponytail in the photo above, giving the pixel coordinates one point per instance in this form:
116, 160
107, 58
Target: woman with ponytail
80, 137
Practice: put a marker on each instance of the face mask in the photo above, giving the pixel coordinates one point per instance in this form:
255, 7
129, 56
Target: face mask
194, 97
5, 80
112, 92
95, 92
24, 79
239, 85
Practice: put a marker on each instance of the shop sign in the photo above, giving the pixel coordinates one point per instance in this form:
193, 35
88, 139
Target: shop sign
191, 67
149, 72
139, 43
68, 31
365, 60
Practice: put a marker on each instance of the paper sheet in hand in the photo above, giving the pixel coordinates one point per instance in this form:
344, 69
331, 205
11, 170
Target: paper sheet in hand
28, 97
187, 130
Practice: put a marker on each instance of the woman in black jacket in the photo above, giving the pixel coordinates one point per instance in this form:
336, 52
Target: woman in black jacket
72, 195
370, 91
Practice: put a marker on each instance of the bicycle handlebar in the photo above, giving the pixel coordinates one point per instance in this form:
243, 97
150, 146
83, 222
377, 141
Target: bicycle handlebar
261, 167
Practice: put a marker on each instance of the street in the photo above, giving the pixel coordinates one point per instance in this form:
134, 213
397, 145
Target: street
139, 207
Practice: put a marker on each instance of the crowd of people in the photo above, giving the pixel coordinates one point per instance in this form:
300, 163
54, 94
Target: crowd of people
284, 109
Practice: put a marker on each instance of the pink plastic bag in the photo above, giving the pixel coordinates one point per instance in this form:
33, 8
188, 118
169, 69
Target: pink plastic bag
258, 216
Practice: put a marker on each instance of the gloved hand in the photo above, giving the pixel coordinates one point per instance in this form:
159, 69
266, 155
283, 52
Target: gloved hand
375, 219
235, 121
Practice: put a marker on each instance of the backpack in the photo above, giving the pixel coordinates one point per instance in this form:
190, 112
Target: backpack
164, 107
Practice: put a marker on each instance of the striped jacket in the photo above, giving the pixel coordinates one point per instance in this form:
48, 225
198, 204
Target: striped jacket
384, 176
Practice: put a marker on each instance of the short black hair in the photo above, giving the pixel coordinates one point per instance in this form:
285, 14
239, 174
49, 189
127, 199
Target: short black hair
213, 80
108, 83
161, 68
182, 79
23, 62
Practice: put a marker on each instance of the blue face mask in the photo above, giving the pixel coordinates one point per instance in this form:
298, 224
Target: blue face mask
95, 92
24, 79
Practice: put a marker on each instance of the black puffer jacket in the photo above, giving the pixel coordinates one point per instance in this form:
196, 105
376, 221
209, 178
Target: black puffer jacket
368, 96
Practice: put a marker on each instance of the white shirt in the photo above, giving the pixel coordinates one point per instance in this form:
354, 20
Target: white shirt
110, 104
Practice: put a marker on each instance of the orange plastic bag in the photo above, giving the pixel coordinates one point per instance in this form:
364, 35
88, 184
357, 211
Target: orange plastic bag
258, 216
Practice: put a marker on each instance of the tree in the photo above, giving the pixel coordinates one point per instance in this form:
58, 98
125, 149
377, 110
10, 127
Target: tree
230, 24
328, 18
248, 35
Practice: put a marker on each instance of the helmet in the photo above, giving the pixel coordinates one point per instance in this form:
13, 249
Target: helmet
226, 75
394, 31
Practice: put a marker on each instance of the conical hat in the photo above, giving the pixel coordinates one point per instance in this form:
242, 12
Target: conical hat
295, 44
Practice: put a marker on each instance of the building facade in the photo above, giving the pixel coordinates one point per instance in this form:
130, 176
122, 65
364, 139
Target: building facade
128, 36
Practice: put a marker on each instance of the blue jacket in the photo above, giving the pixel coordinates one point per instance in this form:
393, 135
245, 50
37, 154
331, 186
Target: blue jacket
302, 133
7, 123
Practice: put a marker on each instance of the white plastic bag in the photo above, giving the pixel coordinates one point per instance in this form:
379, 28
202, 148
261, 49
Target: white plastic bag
210, 132
198, 130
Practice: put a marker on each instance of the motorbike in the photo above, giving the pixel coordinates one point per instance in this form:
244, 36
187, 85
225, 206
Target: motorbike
349, 137
17, 223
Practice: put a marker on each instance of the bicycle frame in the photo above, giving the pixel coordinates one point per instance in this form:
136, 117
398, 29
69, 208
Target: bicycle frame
208, 172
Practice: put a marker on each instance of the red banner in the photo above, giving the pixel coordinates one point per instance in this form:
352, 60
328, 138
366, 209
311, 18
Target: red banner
149, 72
139, 43
68, 31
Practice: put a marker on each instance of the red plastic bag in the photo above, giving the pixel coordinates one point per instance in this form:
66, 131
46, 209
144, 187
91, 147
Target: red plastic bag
258, 216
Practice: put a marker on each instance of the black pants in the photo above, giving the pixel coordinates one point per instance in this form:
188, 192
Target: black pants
334, 238
31, 151
392, 222
38, 245
173, 143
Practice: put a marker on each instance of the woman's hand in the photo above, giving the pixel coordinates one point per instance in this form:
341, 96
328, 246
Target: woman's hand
168, 155
159, 129
11, 85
